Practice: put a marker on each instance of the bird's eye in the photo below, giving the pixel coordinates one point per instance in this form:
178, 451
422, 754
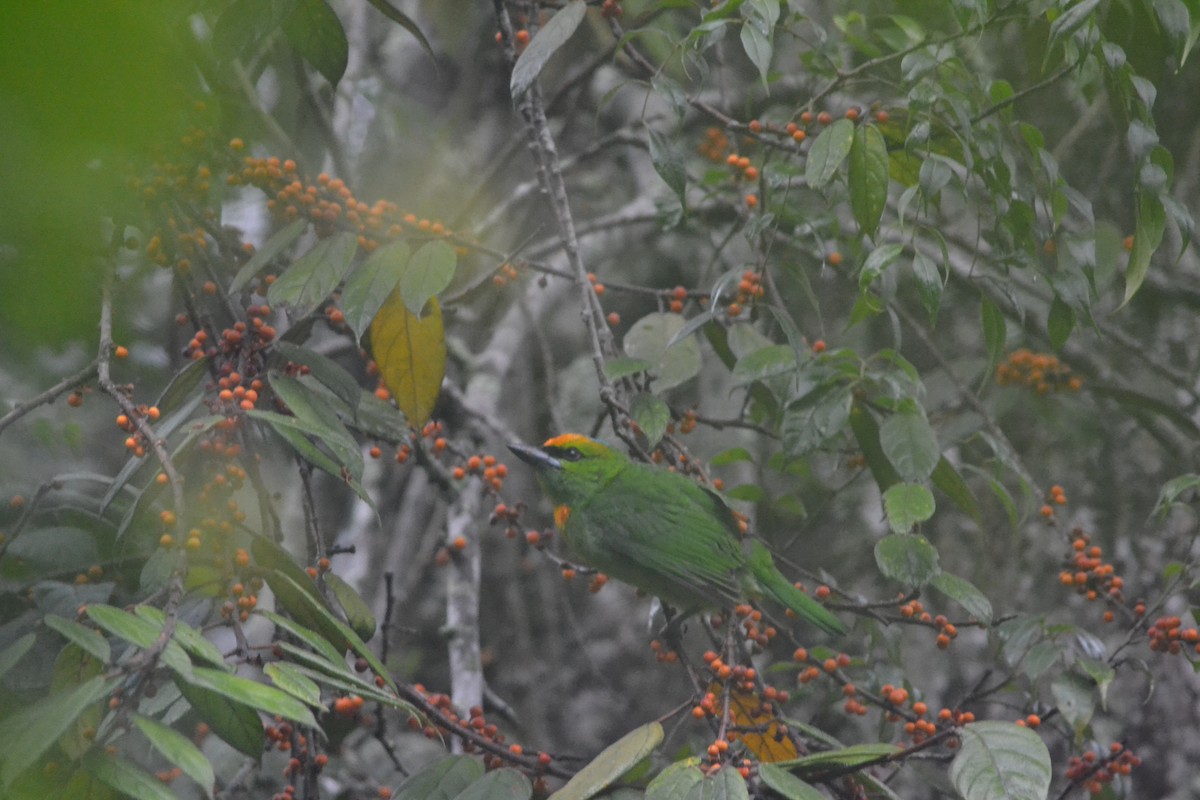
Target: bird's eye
571, 454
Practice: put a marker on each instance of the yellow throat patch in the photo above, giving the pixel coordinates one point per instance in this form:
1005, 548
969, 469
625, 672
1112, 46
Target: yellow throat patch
561, 515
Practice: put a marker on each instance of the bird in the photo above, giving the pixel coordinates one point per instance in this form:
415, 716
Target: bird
659, 531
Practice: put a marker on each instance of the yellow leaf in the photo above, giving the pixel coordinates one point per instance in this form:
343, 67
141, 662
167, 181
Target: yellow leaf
411, 354
758, 728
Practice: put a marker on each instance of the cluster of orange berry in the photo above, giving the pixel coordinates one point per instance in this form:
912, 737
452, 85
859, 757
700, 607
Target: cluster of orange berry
1167, 635
713, 145
1094, 771
749, 289
1042, 372
135, 442
947, 630
1086, 570
493, 472
829, 666
1058, 497
505, 274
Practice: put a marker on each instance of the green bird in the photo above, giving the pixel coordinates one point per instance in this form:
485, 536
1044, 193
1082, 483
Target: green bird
659, 531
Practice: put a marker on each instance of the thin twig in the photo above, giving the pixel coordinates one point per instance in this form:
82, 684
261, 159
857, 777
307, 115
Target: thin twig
62, 387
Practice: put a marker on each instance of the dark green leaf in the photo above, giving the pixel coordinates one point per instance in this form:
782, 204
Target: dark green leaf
309, 281
188, 637
929, 284
237, 724
279, 241
613, 762
815, 418
315, 417
141, 632
403, 20
442, 780
624, 367
994, 335
553, 35
907, 558
674, 782
126, 777
868, 177
1147, 236
179, 750
965, 594
877, 263
655, 338
1001, 761
368, 286
500, 784
667, 159
758, 47
866, 433
429, 271
289, 678
317, 34
1059, 323
906, 505
844, 757
358, 614
651, 415
910, 444
766, 362
326, 371
1075, 698
946, 478
829, 150
731, 456
87, 638
35, 727
786, 784
1070, 20
14, 652
266, 699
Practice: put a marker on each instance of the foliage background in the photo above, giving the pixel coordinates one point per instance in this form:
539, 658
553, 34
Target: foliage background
1042, 150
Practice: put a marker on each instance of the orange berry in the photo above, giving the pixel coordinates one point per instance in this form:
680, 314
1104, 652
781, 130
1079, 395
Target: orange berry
750, 173
1128, 243
121, 351
799, 136
522, 36
614, 319
168, 517
882, 116
819, 346
824, 118
376, 451
852, 114
1046, 511
751, 200
459, 543
830, 665
834, 259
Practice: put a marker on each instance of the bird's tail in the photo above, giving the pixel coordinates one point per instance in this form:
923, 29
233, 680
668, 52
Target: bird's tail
784, 593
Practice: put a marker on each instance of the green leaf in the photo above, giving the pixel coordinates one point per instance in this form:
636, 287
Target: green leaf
724, 784
1167, 495
651, 415
313, 415
650, 339
295, 591
765, 362
866, 433
429, 271
758, 47
786, 784
141, 632
266, 699
613, 762
994, 336
1101, 674
289, 678
179, 750
1040, 658
309, 281
877, 263
910, 444
324, 370
1059, 323
929, 284
1075, 697
35, 727
553, 35
907, 558
623, 367
404, 21
815, 418
368, 286
500, 784
14, 652
441, 780
674, 782
87, 638
731, 456
1176, 23
126, 777
965, 594
1147, 236
946, 478
319, 644
667, 158
279, 241
237, 724
829, 150
317, 34
868, 177
1071, 20
358, 614
844, 757
906, 505
1001, 761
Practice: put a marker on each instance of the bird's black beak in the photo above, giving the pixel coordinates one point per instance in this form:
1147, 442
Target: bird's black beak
535, 456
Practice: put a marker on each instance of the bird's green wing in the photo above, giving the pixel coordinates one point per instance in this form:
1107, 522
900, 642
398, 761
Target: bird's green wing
664, 534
